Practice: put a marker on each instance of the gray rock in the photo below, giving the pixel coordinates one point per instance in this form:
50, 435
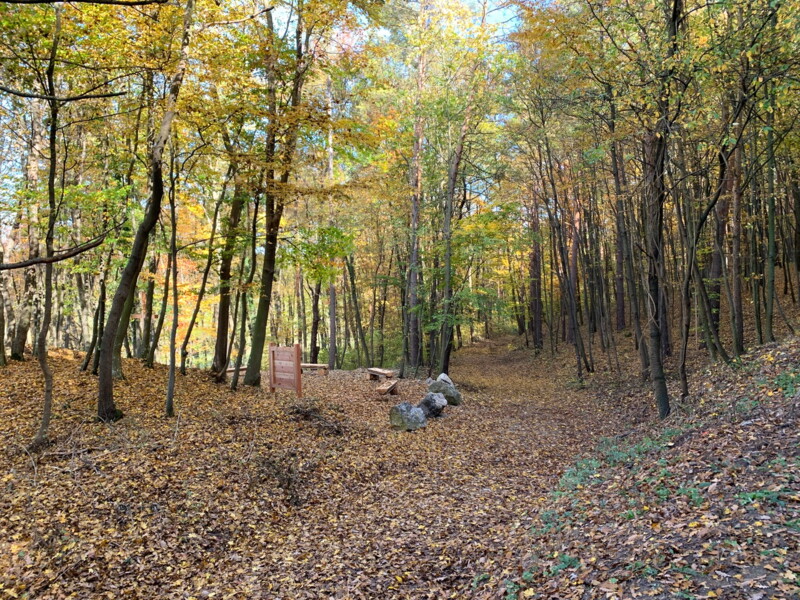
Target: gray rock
428, 381
445, 378
433, 405
407, 417
447, 390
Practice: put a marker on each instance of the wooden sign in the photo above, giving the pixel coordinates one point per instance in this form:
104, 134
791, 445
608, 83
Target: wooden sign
285, 371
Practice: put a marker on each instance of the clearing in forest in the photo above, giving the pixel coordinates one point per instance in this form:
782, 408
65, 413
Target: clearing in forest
250, 495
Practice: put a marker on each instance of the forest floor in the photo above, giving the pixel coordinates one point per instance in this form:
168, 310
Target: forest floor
703, 505
254, 495
250, 495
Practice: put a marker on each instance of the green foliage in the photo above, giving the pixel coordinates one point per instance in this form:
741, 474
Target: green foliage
565, 561
582, 473
761, 496
788, 382
319, 251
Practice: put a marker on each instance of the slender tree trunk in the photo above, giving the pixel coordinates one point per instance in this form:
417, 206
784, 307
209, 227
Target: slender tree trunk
203, 282
535, 281
415, 183
25, 309
769, 275
243, 297
149, 360
273, 218
445, 342
736, 249
106, 409
169, 403
382, 311
274, 201
220, 362
358, 328
315, 320
44, 365
147, 317
122, 334
331, 181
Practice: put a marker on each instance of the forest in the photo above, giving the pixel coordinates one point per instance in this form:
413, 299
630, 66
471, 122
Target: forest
609, 188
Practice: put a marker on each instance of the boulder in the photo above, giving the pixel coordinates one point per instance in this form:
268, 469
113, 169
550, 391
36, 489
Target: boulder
445, 378
448, 390
433, 405
407, 417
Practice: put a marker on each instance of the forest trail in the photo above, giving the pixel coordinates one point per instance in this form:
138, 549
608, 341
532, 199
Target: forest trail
246, 496
451, 499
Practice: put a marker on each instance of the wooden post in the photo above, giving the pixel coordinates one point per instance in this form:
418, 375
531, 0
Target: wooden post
272, 369
298, 370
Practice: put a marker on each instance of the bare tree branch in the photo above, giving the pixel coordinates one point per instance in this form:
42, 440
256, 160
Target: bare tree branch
113, 2
57, 99
59, 256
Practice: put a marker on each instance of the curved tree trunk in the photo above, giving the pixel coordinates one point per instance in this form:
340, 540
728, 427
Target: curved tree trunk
106, 409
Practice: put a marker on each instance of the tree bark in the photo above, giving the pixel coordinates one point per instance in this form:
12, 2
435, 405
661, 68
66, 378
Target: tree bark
315, 320
220, 362
106, 408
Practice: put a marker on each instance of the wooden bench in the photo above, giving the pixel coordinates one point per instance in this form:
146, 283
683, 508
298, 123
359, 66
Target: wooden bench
377, 374
232, 369
315, 367
389, 387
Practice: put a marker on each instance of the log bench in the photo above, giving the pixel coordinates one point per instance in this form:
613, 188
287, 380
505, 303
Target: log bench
389, 387
377, 374
315, 367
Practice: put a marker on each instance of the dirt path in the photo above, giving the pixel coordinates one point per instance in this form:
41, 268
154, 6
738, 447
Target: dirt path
446, 500
239, 498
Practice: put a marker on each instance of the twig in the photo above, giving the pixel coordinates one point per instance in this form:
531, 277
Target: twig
33, 463
175, 434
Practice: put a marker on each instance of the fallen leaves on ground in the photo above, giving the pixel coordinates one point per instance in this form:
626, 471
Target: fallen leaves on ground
250, 495
705, 505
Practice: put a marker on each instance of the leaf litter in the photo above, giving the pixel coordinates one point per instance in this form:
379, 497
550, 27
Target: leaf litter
531, 488
250, 495
704, 505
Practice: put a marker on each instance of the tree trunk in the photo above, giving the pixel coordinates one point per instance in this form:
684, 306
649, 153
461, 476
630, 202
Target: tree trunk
220, 362
203, 282
769, 275
147, 317
655, 147
273, 218
274, 201
169, 403
149, 360
44, 365
358, 326
243, 298
315, 319
535, 282
736, 270
106, 409
122, 334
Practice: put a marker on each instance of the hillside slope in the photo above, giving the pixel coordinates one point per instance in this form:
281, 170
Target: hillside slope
705, 505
